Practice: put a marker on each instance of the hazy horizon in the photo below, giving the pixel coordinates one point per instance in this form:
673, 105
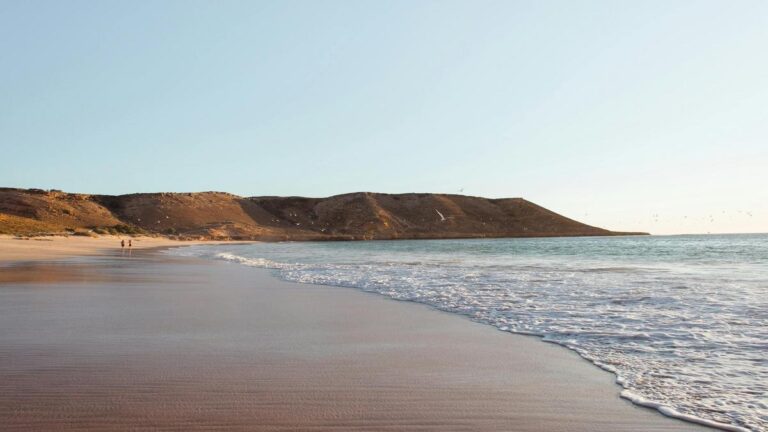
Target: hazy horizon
646, 116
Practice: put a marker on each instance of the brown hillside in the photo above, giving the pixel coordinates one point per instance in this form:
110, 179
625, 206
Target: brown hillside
54, 209
352, 216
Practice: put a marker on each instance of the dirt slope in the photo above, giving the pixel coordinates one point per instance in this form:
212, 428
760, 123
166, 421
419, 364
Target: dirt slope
353, 216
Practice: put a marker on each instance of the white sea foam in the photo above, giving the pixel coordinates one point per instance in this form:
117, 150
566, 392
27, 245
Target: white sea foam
681, 321
671, 412
253, 262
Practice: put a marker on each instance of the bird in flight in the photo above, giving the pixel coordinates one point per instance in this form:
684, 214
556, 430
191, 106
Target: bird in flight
442, 218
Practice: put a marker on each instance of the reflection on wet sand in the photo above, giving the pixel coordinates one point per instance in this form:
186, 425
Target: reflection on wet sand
137, 344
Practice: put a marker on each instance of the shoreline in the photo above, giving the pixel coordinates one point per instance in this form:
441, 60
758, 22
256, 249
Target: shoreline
521, 383
624, 393
16, 248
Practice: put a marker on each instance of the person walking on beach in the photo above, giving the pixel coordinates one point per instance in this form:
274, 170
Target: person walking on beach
122, 246
130, 246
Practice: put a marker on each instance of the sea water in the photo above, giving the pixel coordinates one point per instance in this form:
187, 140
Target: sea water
682, 321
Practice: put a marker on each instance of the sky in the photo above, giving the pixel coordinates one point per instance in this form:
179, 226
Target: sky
629, 115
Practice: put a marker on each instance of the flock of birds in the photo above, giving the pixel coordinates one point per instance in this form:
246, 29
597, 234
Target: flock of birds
655, 217
442, 218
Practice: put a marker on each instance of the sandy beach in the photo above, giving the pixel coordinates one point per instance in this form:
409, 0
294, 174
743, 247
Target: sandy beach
152, 342
14, 248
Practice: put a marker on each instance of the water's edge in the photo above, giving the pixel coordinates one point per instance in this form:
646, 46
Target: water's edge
625, 393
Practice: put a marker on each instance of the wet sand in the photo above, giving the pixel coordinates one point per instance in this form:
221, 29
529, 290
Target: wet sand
158, 343
13, 248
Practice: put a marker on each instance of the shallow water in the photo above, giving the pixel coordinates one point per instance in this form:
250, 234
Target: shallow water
681, 320
212, 346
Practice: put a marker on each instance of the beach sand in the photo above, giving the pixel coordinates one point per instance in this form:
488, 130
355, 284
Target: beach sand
159, 343
14, 248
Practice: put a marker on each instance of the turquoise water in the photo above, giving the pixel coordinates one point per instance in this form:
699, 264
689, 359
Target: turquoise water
681, 320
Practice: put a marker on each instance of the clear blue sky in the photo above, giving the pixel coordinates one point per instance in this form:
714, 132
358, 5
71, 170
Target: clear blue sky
610, 112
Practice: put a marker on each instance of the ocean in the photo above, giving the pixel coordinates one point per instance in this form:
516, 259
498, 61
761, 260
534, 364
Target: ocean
682, 321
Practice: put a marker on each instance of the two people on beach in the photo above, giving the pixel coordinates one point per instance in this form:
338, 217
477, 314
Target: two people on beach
122, 246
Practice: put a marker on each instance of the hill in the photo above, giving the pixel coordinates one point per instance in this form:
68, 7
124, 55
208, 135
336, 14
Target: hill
218, 215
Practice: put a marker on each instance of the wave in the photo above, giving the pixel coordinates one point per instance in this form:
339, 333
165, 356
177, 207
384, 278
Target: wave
650, 342
252, 262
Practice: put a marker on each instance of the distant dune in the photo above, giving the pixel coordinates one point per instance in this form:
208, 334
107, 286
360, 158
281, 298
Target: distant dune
218, 215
